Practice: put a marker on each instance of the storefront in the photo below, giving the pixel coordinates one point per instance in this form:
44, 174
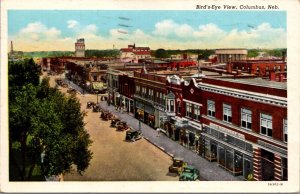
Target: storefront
145, 113
149, 115
231, 152
129, 108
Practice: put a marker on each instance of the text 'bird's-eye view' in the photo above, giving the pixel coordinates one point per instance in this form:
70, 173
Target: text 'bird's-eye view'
145, 95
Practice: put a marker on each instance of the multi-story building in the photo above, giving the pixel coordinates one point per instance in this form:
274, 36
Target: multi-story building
133, 53
126, 90
245, 126
113, 86
260, 67
80, 48
227, 55
149, 97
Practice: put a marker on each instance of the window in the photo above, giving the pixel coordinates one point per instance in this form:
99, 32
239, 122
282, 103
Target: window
285, 131
188, 110
171, 105
211, 108
179, 107
227, 115
137, 90
196, 112
266, 124
246, 118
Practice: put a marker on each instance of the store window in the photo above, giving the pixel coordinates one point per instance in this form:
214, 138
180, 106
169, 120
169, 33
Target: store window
266, 125
246, 118
221, 156
238, 163
211, 108
285, 131
197, 112
227, 114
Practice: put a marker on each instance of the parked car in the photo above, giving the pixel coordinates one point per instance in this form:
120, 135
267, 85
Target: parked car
133, 135
97, 108
189, 173
114, 122
177, 166
122, 126
90, 104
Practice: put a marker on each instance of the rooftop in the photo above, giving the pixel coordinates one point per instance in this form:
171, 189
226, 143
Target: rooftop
256, 82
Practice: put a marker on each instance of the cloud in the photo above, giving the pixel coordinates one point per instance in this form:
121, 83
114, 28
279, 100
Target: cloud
166, 34
165, 27
72, 23
37, 31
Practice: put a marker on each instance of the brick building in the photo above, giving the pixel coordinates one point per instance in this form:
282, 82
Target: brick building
127, 90
245, 126
261, 68
149, 98
134, 53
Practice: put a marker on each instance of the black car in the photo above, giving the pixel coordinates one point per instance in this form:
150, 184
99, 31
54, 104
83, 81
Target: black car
133, 135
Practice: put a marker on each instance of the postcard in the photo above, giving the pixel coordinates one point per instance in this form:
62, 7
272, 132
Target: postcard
150, 96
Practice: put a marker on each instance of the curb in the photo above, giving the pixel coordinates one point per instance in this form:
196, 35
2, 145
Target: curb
159, 147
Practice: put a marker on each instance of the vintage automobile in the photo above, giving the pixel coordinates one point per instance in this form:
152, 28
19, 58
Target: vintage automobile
122, 126
133, 135
177, 166
71, 91
96, 108
114, 122
90, 104
104, 115
189, 173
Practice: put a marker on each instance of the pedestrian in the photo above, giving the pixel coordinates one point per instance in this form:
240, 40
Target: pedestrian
158, 131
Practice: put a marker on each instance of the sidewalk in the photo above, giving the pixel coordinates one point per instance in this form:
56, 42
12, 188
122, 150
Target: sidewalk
208, 170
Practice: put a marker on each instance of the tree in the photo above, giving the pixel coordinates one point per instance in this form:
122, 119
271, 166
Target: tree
161, 53
46, 129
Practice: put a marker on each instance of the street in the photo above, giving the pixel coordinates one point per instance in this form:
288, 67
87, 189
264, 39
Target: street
115, 159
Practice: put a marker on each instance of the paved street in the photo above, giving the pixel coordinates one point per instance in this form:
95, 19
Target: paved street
208, 171
117, 160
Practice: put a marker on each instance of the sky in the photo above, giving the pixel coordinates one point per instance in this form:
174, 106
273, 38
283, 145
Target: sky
57, 30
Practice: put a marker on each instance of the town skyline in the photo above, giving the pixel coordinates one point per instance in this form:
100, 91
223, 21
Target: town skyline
38, 30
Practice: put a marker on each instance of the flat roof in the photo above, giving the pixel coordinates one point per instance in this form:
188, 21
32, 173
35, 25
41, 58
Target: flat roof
257, 82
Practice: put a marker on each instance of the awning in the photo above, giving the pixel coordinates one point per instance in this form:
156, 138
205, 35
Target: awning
98, 85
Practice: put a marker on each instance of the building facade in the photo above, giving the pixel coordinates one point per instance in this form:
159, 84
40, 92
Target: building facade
134, 54
228, 55
245, 127
80, 48
149, 98
127, 91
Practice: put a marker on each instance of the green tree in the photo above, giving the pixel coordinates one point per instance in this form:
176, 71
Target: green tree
161, 53
43, 121
253, 53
